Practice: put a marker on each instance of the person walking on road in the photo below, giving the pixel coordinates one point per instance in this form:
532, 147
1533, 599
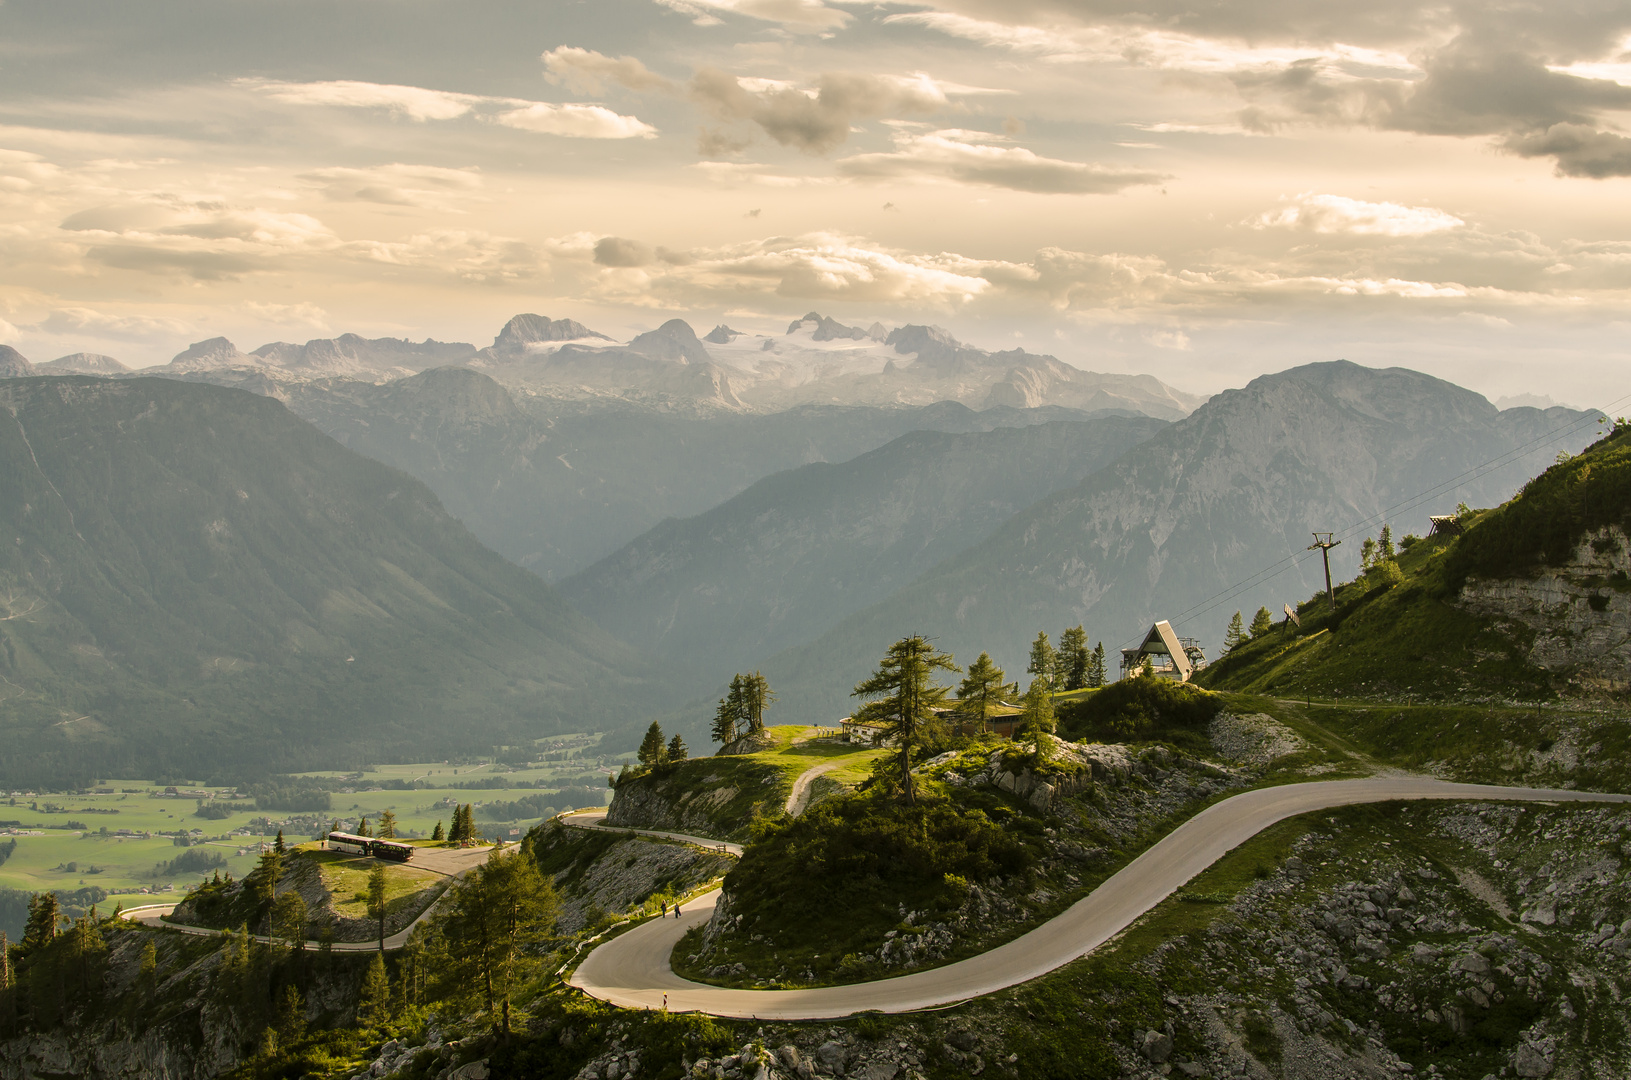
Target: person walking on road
676, 909
665, 909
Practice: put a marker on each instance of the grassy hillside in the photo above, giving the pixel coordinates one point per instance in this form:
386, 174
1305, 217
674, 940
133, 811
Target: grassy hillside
196, 582
1408, 635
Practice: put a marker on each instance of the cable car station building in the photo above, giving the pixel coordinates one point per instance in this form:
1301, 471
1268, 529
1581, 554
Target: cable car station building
1170, 656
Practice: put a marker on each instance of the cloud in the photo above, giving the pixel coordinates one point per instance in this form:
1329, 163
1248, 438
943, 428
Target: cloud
589, 72
1355, 217
819, 119
732, 173
201, 238
469, 255
1578, 149
618, 252
948, 155
799, 15
395, 184
92, 323
577, 121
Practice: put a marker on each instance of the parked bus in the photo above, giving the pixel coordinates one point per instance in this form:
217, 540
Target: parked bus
390, 849
355, 845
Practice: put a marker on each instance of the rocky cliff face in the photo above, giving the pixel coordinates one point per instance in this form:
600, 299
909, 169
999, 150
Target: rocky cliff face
1579, 613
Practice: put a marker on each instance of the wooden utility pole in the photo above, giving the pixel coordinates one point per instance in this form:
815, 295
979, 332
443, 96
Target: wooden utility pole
1325, 543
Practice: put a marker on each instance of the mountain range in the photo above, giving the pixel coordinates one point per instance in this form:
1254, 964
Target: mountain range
196, 581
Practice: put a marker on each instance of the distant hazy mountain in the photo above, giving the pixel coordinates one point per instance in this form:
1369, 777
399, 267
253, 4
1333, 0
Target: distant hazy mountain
798, 551
13, 364
82, 363
355, 356
556, 486
195, 580
1206, 503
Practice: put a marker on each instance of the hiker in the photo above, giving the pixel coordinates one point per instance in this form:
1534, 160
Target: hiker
665, 909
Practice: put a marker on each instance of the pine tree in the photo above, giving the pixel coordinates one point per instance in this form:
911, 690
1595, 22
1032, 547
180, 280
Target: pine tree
364, 829
756, 697
1096, 674
1074, 659
1262, 622
44, 915
437, 833
291, 1016
374, 1000
1042, 658
266, 876
498, 920
982, 688
725, 720
1384, 546
334, 826
905, 699
652, 749
289, 918
387, 825
278, 845
377, 899
1235, 635
677, 750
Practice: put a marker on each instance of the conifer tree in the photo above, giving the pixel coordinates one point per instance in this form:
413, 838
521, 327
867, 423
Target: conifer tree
1096, 675
1262, 622
1038, 717
725, 720
652, 749
5, 962
278, 845
364, 829
1367, 553
266, 875
290, 1024
387, 825
905, 699
981, 690
1042, 658
677, 750
289, 918
44, 915
1384, 546
376, 899
1235, 635
756, 698
1074, 660
499, 916
437, 833
374, 1000
334, 826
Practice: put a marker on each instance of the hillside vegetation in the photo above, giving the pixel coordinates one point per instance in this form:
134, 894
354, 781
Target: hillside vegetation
195, 581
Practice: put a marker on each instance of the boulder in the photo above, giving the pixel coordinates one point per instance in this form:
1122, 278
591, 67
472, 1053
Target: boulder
1531, 1060
1157, 1046
832, 1055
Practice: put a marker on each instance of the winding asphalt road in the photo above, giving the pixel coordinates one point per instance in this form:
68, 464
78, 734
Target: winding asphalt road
633, 970
449, 863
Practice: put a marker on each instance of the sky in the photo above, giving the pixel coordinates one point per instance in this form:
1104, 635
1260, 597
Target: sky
1203, 190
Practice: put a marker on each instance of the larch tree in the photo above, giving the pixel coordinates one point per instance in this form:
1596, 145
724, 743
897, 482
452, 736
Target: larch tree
1038, 717
725, 721
981, 690
364, 829
1074, 660
677, 750
903, 698
438, 833
653, 751
1262, 622
374, 998
387, 825
1235, 635
1042, 657
756, 698
1384, 546
500, 916
278, 845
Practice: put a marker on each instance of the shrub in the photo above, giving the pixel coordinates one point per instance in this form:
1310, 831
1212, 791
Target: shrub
1138, 708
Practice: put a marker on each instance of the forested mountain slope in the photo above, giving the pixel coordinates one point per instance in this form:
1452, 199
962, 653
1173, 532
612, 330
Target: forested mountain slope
1206, 503
195, 580
786, 559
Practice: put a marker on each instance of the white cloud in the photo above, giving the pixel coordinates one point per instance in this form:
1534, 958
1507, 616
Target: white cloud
1356, 217
590, 71
578, 121
800, 15
9, 333
469, 255
948, 155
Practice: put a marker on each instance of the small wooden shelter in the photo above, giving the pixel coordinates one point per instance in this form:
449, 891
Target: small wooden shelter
1169, 657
